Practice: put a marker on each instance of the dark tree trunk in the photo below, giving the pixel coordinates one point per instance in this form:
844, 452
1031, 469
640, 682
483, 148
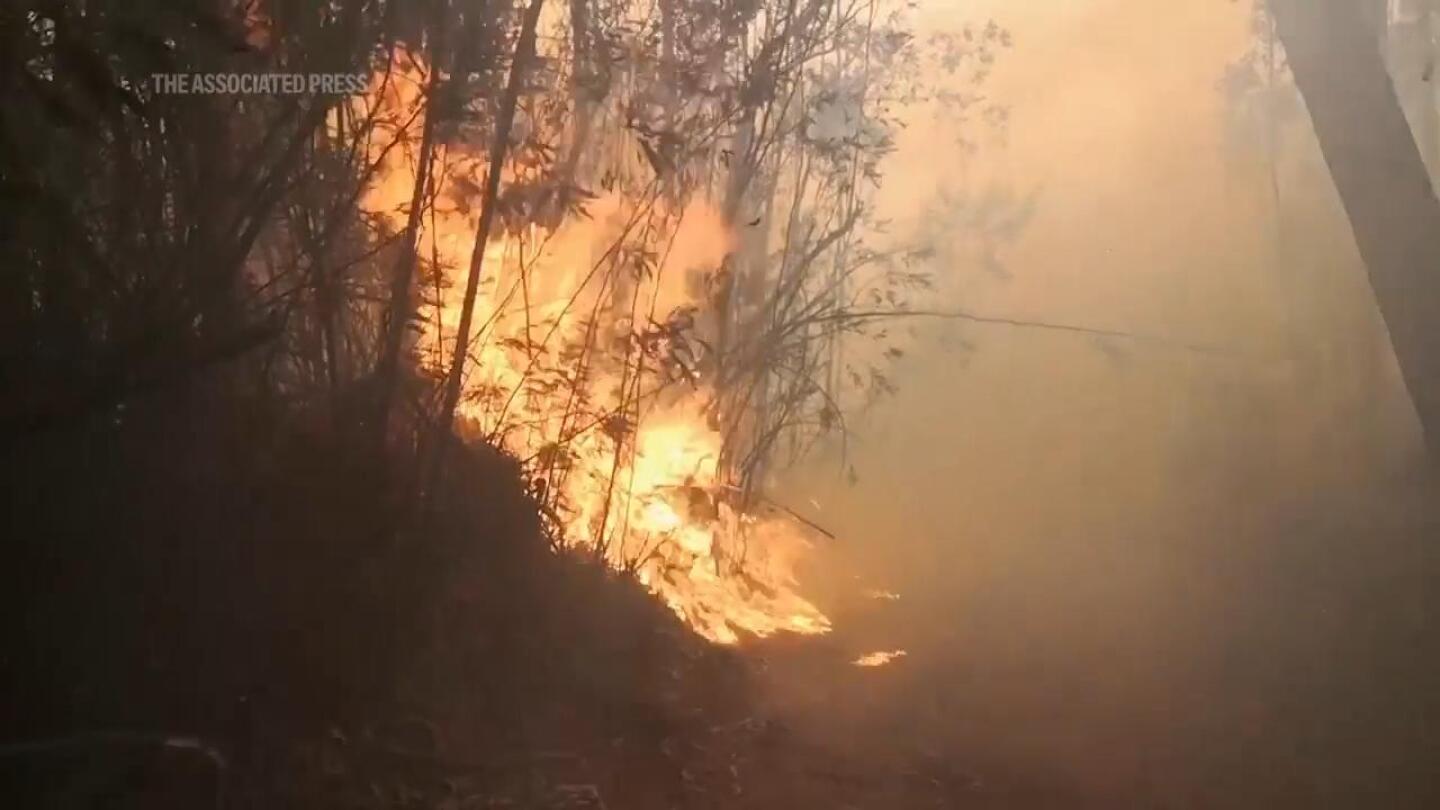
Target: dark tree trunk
1335, 55
524, 53
402, 298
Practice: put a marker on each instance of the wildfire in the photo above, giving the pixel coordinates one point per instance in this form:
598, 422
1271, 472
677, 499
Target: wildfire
581, 370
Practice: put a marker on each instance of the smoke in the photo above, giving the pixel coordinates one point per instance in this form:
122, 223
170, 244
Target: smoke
1132, 570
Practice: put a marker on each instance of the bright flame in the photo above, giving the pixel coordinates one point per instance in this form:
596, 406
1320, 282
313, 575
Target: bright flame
569, 373
878, 659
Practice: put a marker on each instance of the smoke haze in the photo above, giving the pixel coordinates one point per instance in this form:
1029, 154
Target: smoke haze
1182, 569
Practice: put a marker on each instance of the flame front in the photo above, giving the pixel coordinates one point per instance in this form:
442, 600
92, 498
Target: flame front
580, 368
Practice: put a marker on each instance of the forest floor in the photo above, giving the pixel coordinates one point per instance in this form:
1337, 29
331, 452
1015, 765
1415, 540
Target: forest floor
206, 606
216, 612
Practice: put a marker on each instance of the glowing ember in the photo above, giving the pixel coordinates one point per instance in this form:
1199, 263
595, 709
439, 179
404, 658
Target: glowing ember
881, 595
581, 371
878, 659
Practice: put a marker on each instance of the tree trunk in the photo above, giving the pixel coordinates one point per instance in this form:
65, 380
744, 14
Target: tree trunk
1335, 55
583, 93
1412, 65
524, 53
402, 302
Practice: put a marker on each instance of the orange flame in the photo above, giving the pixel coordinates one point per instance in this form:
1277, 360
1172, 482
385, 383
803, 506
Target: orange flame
634, 475
879, 659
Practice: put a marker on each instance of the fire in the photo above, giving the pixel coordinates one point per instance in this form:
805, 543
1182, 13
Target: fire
879, 659
583, 370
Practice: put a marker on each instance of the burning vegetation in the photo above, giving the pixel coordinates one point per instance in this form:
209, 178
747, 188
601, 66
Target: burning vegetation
646, 309
586, 274
421, 446
588, 368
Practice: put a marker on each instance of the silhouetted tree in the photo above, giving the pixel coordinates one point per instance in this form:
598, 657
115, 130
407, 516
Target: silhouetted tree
1334, 52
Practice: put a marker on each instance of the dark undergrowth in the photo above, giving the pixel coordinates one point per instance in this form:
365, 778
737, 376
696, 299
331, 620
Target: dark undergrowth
210, 600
